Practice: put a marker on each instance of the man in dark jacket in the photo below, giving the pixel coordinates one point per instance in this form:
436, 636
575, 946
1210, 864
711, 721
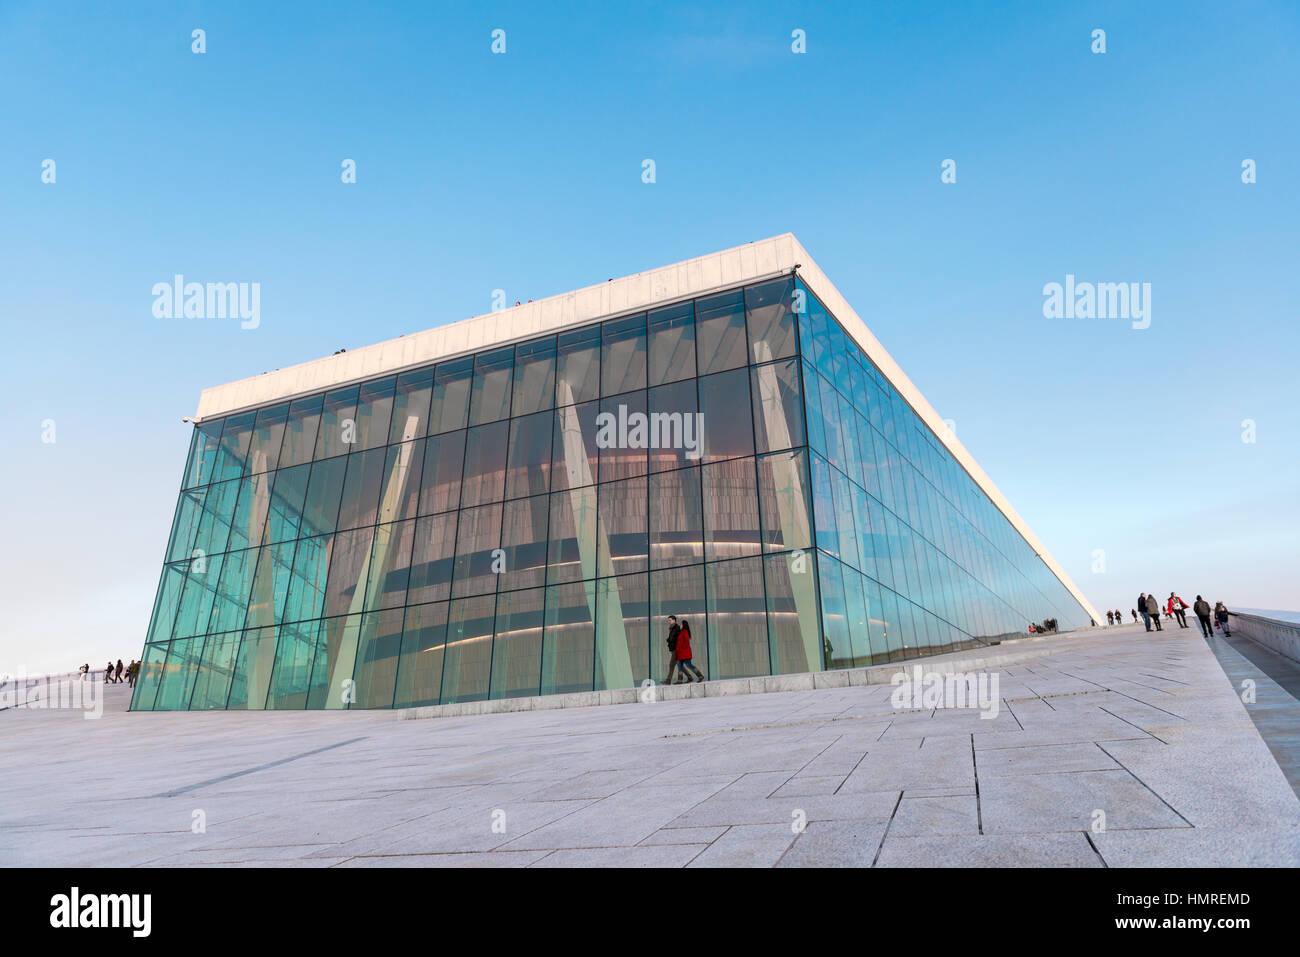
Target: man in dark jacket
1142, 607
1202, 609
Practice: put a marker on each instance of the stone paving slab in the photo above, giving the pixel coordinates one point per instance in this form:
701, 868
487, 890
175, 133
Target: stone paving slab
1145, 729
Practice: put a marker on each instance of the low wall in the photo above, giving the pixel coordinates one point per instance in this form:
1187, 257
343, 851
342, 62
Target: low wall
1280, 636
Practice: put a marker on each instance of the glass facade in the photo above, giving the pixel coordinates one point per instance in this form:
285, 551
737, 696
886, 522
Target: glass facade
521, 522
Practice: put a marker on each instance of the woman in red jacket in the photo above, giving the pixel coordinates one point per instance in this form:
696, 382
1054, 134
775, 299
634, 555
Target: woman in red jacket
685, 666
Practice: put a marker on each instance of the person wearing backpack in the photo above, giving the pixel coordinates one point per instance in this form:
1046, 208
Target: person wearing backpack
685, 666
1221, 617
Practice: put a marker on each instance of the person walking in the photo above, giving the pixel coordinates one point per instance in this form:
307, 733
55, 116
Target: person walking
1153, 611
674, 631
131, 671
108, 673
1134, 613
1202, 609
1221, 616
1142, 607
1178, 607
1110, 618
685, 666
120, 668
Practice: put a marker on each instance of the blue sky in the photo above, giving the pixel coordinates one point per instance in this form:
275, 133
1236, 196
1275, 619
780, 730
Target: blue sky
522, 172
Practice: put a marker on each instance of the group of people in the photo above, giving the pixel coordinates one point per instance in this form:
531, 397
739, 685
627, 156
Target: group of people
1176, 609
115, 673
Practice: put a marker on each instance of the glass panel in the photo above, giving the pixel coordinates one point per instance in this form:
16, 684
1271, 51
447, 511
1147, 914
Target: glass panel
727, 419
517, 647
433, 558
737, 619
336, 653
419, 673
449, 408
828, 537
680, 592
676, 431
524, 543
178, 673
338, 424
731, 527
196, 600
203, 454
247, 523
783, 495
466, 671
574, 453
216, 669
794, 637
485, 464
390, 565
230, 606
252, 679
218, 513
771, 323
300, 432
400, 495
778, 406
622, 632
478, 536
812, 401
151, 671
837, 648
288, 492
578, 371
528, 469
490, 399
534, 377
572, 551
268, 435
856, 613
270, 585
306, 596
568, 640
720, 331
349, 560
166, 602
848, 549
623, 436
189, 511
379, 647
291, 674
622, 542
672, 343
411, 405
235, 439
676, 518
444, 463
320, 511
623, 364
365, 476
